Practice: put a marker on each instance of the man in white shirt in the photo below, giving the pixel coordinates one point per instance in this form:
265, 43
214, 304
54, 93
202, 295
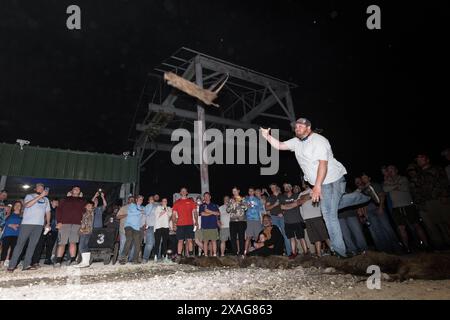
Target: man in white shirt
35, 215
149, 227
224, 223
324, 172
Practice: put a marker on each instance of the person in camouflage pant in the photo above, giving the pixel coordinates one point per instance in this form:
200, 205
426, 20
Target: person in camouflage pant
431, 194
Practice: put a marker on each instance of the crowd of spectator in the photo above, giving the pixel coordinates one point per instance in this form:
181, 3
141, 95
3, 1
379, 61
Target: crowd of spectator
402, 214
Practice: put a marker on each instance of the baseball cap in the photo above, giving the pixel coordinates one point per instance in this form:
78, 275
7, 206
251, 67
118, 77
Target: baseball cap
304, 121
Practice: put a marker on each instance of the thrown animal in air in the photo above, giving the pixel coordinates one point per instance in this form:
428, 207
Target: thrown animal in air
205, 95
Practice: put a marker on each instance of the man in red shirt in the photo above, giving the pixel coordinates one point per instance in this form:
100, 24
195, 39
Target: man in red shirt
68, 217
183, 211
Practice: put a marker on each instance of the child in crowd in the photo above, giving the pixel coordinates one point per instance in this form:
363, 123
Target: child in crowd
86, 226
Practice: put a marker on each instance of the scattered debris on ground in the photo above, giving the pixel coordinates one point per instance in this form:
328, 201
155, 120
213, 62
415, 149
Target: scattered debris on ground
236, 278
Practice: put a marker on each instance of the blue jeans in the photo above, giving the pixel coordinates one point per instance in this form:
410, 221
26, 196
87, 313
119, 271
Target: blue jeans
333, 199
381, 231
84, 243
279, 222
353, 235
149, 243
123, 239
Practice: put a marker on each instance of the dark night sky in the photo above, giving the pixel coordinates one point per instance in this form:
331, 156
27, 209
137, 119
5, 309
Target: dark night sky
379, 95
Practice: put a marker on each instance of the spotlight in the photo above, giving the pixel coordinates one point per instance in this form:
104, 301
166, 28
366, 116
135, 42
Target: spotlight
22, 142
126, 154
26, 187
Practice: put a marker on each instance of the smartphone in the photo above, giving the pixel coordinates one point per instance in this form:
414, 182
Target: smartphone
47, 189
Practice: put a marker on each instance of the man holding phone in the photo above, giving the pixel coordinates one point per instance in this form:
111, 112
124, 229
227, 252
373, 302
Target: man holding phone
69, 215
100, 206
35, 215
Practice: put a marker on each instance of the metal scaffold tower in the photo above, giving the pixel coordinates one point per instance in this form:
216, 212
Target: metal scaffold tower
249, 99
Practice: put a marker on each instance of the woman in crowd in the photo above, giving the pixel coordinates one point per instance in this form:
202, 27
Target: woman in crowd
11, 231
270, 240
236, 208
163, 215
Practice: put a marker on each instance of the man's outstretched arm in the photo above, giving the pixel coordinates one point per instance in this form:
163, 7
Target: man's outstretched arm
274, 142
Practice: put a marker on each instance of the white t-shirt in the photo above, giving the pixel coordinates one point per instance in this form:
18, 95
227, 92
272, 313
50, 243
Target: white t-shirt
224, 217
162, 220
308, 154
308, 210
35, 214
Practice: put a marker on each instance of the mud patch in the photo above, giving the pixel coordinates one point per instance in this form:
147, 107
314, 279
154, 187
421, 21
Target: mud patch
428, 266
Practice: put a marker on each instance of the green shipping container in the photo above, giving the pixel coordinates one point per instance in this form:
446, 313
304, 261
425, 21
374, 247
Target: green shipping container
65, 164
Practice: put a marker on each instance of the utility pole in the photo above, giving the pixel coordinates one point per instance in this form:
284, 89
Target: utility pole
204, 176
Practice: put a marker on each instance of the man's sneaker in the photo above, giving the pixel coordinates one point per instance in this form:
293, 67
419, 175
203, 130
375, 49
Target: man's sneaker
6, 264
48, 262
370, 191
340, 256
29, 268
292, 256
351, 254
123, 260
57, 265
422, 246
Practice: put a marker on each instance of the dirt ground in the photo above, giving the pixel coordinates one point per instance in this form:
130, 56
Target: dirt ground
177, 281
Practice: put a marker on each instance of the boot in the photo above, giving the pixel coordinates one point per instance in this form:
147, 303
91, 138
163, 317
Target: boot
85, 257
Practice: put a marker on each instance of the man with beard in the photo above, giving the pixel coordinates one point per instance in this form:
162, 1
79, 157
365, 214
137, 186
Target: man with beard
293, 222
35, 215
324, 172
